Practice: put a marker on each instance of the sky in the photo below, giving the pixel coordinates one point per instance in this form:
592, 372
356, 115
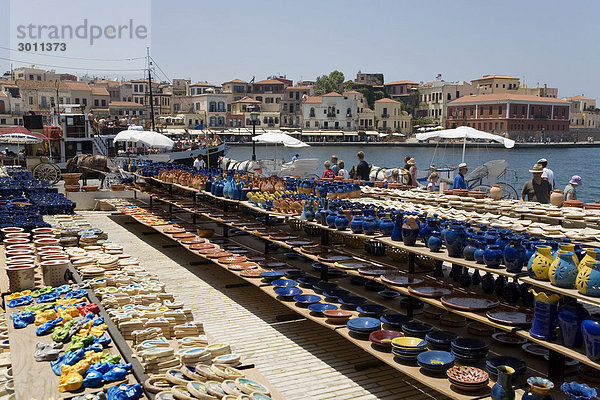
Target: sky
539, 41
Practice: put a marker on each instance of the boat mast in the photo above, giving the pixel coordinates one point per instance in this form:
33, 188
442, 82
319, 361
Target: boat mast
150, 90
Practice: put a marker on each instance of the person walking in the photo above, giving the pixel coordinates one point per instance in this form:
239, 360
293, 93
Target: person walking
459, 179
343, 172
362, 169
413, 172
328, 173
433, 179
548, 174
570, 192
537, 189
334, 164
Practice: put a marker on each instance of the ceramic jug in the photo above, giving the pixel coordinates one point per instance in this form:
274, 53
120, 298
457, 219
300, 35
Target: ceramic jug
496, 192
503, 389
456, 240
590, 328
570, 317
592, 256
370, 225
386, 226
540, 262
556, 198
545, 309
410, 230
514, 255
397, 232
563, 271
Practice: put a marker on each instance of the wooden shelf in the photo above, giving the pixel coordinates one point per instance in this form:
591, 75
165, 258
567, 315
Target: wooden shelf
546, 285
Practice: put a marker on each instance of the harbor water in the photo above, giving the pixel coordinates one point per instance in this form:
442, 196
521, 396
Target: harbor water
565, 162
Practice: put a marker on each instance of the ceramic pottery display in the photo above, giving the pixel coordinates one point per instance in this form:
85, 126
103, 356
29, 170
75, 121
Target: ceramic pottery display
496, 192
590, 328
341, 221
570, 317
356, 225
397, 231
563, 271
588, 280
503, 389
370, 225
386, 226
492, 256
410, 230
578, 391
435, 241
456, 240
545, 310
539, 389
514, 254
540, 262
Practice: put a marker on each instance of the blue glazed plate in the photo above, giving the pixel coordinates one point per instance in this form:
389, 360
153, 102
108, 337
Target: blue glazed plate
288, 291
308, 281
363, 324
320, 307
371, 309
284, 283
335, 293
389, 294
395, 319
307, 298
352, 301
435, 359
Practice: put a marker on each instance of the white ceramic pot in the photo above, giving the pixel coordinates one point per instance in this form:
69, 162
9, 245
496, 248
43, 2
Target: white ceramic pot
20, 277
46, 242
53, 272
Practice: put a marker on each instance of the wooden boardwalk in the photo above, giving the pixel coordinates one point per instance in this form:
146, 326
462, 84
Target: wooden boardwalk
300, 358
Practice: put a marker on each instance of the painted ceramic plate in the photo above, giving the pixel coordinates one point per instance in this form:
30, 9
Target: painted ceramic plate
299, 243
469, 302
241, 266
510, 317
399, 279
349, 264
508, 338
314, 249
194, 240
209, 250
219, 254
331, 258
429, 290
173, 230
185, 235
231, 259
252, 272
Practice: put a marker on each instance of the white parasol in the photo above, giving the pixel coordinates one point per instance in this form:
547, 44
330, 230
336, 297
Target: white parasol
278, 137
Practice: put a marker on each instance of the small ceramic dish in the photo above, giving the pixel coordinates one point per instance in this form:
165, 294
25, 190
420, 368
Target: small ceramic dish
337, 316
319, 308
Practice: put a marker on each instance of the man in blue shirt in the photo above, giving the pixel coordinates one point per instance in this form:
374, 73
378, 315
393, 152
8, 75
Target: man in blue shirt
459, 179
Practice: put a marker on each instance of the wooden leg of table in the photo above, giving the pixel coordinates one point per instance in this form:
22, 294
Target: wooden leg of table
324, 273
556, 366
324, 237
411, 262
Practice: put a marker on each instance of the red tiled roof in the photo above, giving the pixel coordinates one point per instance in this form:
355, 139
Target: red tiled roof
247, 100
494, 77
235, 81
124, 104
269, 82
297, 88
314, 100
68, 85
484, 98
351, 92
204, 84
385, 100
579, 98
99, 91
36, 85
400, 83
332, 94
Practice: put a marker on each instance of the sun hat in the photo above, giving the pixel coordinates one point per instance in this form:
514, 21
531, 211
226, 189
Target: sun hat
575, 180
542, 160
462, 165
411, 161
388, 173
537, 168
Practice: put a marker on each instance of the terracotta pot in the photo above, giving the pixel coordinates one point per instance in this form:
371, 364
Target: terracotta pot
17, 235
14, 253
496, 192
22, 246
573, 203
20, 277
44, 236
91, 188
593, 206
22, 259
71, 188
556, 198
460, 192
49, 248
477, 194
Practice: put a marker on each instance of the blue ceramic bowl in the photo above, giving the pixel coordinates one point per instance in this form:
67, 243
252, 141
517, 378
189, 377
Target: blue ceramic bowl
322, 286
363, 324
358, 280
294, 273
280, 283
270, 276
469, 345
308, 281
493, 363
335, 293
441, 337
395, 320
292, 255
288, 291
416, 329
317, 266
435, 360
389, 294
352, 301
307, 298
374, 286
320, 307
371, 310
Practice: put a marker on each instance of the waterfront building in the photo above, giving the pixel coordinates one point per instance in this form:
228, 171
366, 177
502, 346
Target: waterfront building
180, 86
291, 105
112, 87
584, 113
199, 88
391, 118
100, 101
236, 89
435, 95
125, 109
406, 91
270, 93
213, 109
369, 79
514, 114
161, 95
34, 74
489, 84
331, 111
241, 109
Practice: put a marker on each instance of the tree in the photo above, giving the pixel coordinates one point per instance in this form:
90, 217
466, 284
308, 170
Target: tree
334, 82
379, 95
421, 122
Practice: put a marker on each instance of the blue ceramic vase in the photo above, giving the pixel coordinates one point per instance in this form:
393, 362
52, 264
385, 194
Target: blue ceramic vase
469, 250
435, 241
590, 329
479, 250
341, 221
331, 217
515, 254
369, 225
397, 231
456, 240
503, 389
356, 225
570, 317
565, 273
545, 310
492, 256
386, 226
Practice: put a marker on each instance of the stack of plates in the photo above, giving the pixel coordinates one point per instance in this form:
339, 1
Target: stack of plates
395, 321
416, 329
363, 325
469, 350
440, 340
492, 364
435, 361
408, 348
469, 379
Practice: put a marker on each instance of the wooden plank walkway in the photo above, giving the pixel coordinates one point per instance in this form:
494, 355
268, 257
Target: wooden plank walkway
300, 358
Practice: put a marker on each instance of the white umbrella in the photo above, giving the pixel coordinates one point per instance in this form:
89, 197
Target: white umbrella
278, 137
149, 138
126, 135
464, 133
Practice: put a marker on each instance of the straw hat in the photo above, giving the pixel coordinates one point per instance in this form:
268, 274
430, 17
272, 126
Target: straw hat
462, 165
537, 168
411, 161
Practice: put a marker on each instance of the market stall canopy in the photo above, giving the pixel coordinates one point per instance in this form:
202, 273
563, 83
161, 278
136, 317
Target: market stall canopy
278, 137
20, 135
149, 138
466, 132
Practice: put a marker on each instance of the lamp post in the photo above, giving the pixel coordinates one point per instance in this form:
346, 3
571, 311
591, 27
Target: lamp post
254, 118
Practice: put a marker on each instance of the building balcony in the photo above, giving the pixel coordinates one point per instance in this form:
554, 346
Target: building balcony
349, 115
330, 115
385, 115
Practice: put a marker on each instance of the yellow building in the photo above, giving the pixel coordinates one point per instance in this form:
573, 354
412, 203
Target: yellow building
391, 117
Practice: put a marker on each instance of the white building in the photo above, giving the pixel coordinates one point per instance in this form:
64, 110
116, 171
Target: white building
435, 95
330, 111
213, 107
